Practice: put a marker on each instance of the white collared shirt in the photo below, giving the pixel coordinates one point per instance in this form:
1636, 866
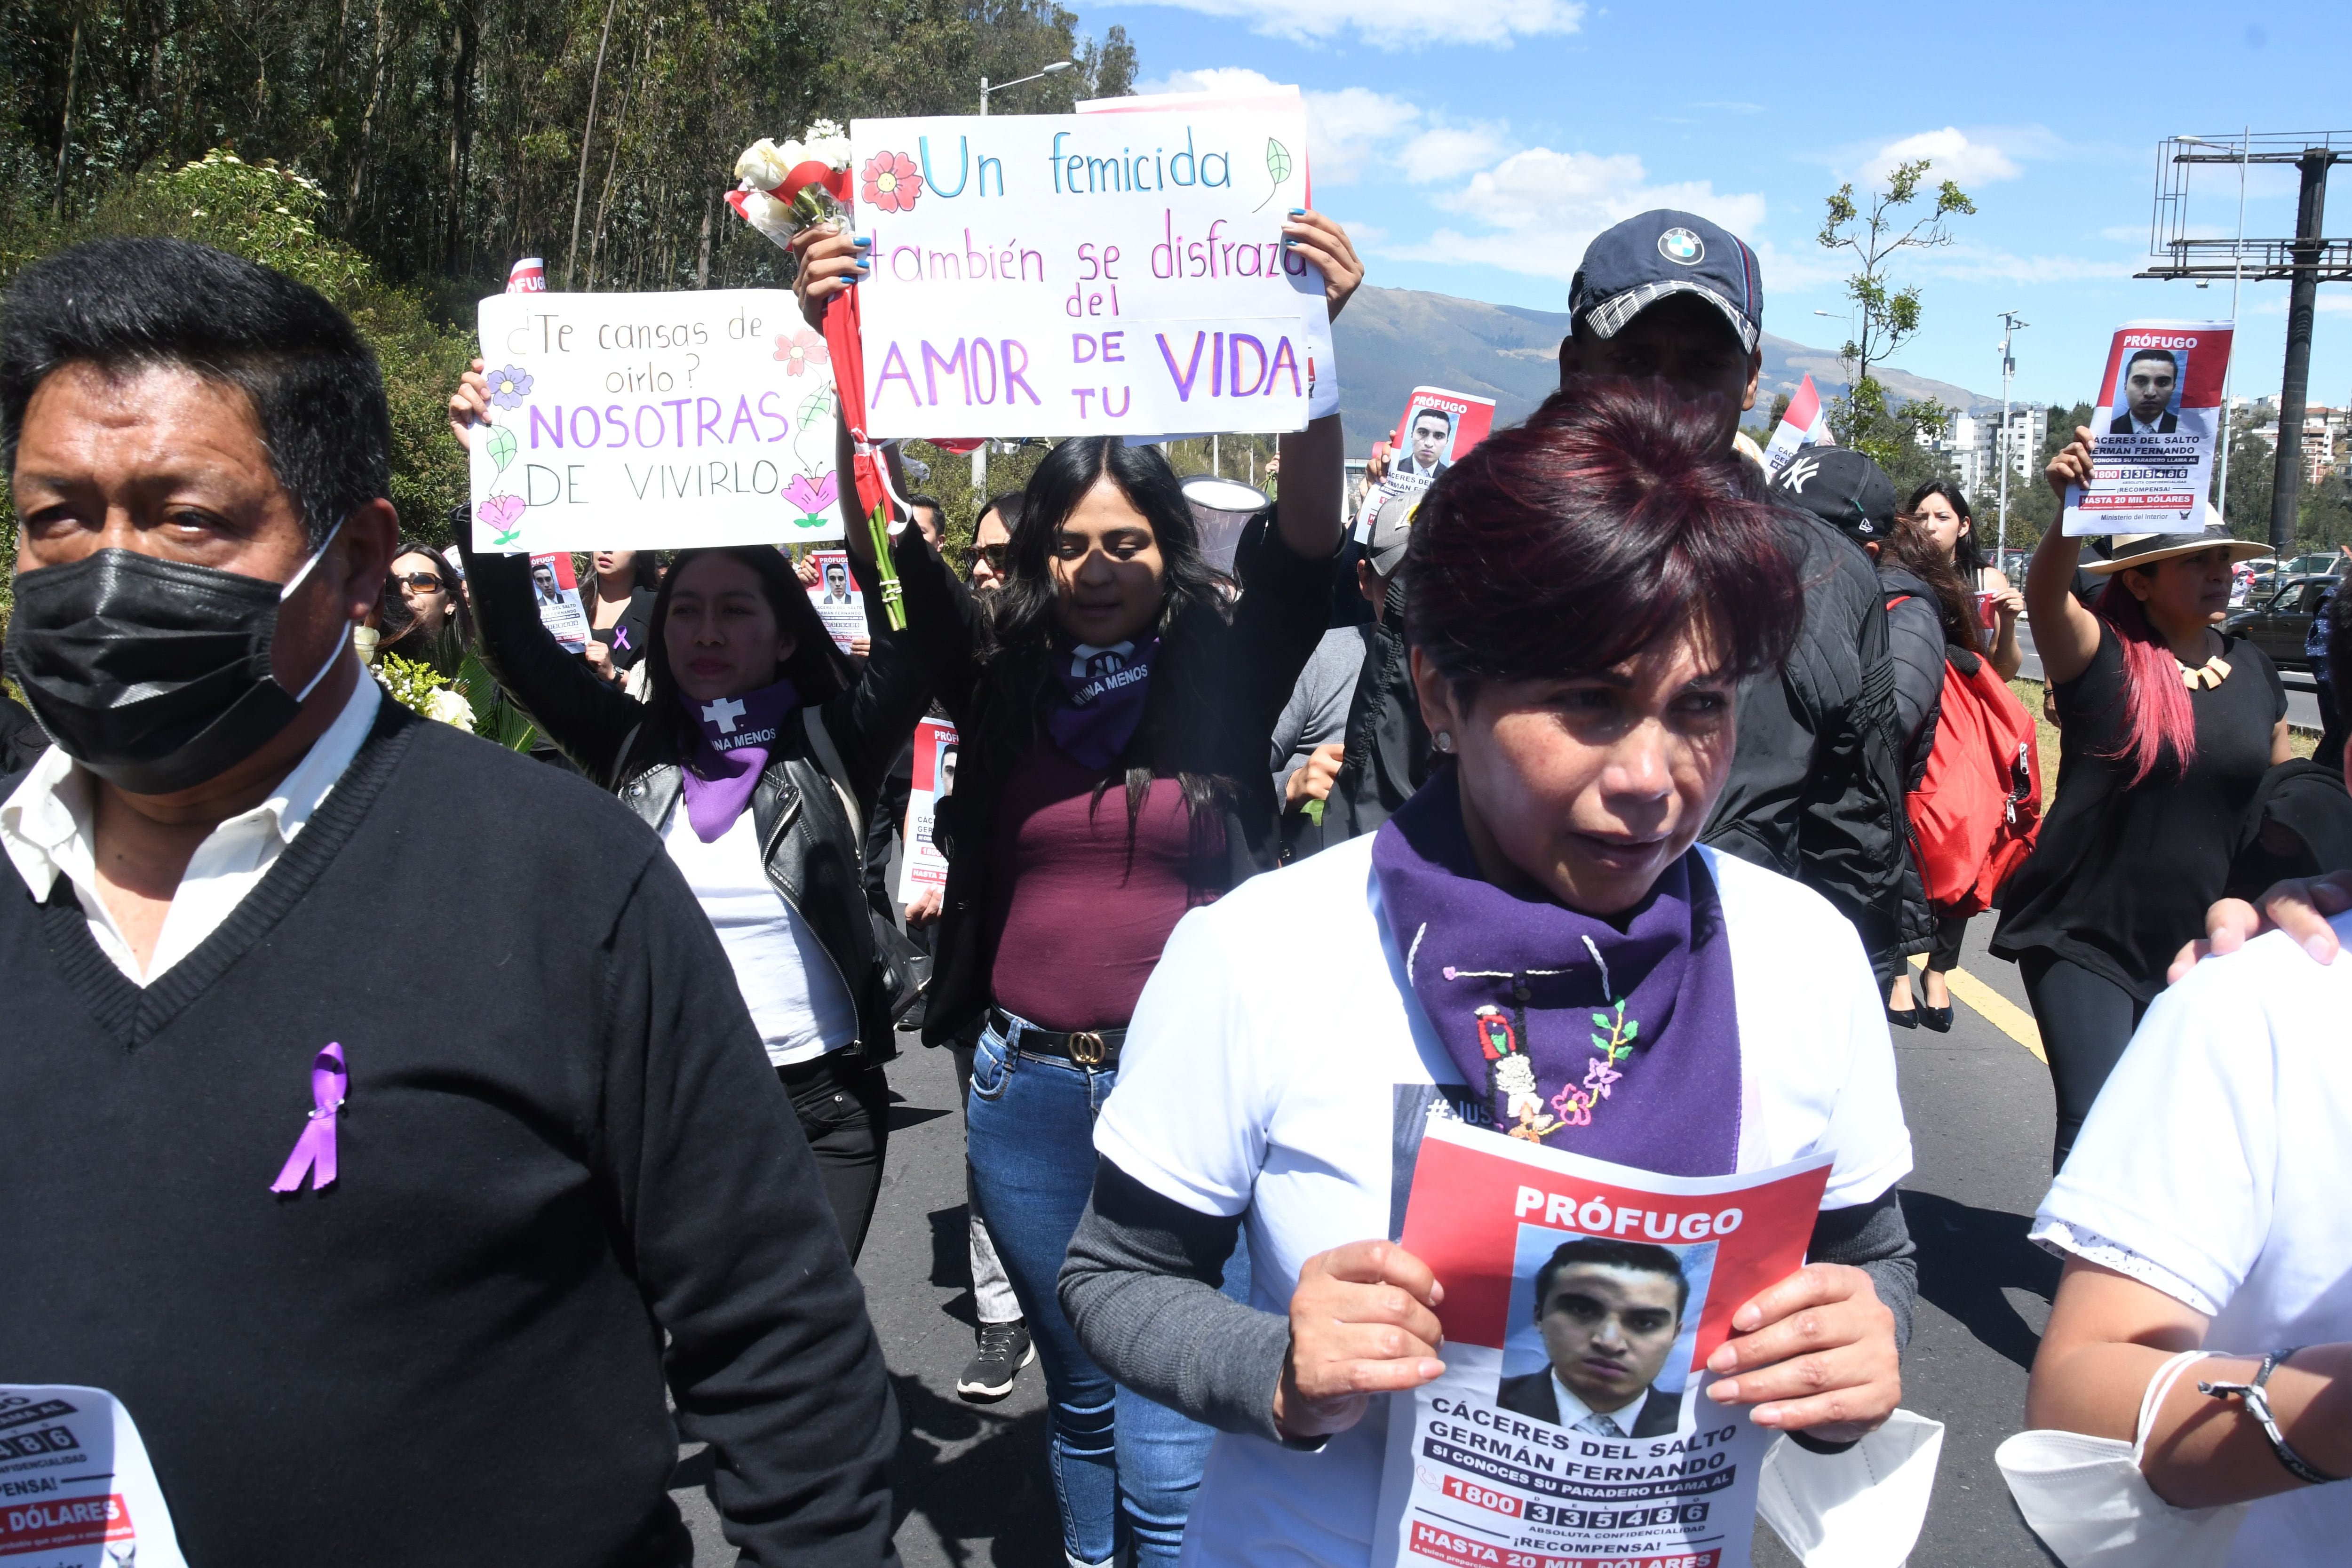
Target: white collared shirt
1573, 1411
2147, 427
47, 825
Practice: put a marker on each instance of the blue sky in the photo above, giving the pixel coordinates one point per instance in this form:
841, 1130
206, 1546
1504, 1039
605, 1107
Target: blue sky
1473, 146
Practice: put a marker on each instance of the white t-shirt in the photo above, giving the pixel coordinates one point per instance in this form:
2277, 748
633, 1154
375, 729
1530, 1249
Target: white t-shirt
2213, 1167
1279, 1064
799, 1002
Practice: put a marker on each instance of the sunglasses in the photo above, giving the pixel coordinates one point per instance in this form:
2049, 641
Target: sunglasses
995, 555
423, 582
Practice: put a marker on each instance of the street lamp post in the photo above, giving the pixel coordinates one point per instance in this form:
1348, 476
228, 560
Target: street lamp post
2237, 281
2002, 442
986, 87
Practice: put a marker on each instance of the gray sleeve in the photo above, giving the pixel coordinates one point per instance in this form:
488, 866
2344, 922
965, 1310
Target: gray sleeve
1140, 1289
1873, 1237
1317, 714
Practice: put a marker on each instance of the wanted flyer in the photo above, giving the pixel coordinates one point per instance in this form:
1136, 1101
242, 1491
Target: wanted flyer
921, 865
2154, 432
1582, 1298
840, 604
1437, 430
76, 1489
555, 590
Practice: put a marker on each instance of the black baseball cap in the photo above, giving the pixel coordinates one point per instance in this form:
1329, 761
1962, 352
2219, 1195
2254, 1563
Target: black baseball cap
1844, 489
1392, 531
1631, 267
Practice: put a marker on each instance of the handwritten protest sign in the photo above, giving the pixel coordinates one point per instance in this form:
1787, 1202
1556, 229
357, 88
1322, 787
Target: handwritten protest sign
1489, 1465
2153, 433
555, 590
1081, 274
839, 604
921, 866
653, 421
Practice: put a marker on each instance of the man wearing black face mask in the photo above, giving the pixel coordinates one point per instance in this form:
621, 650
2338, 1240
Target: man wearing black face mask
1815, 790
371, 1294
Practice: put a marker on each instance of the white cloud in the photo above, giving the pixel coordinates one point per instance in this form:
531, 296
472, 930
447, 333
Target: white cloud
1951, 155
1356, 133
1396, 24
1445, 152
1541, 208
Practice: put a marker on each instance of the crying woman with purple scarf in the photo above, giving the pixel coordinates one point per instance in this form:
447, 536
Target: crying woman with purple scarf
1585, 595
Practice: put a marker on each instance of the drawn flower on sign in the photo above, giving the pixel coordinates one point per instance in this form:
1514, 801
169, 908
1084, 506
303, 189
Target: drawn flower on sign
801, 350
891, 181
509, 386
502, 513
811, 495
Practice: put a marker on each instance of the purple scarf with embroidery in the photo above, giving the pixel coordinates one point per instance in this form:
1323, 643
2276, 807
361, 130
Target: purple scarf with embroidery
1619, 1044
733, 738
1103, 692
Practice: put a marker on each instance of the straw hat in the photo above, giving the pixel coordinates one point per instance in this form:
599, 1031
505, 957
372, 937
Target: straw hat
2147, 549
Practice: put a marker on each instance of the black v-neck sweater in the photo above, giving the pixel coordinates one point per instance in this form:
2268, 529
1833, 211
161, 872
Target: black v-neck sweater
562, 1143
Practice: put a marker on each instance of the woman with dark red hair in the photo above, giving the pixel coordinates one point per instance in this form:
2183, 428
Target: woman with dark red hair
2166, 728
1585, 593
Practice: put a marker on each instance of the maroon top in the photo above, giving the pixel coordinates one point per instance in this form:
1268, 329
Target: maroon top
1084, 920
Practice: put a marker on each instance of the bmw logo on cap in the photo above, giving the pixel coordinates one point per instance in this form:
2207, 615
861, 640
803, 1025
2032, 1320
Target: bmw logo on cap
1682, 247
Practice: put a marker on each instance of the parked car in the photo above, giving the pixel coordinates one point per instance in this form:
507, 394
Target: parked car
2326, 563
2278, 624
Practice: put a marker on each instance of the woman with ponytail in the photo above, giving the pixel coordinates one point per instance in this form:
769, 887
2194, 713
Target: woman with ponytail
2167, 726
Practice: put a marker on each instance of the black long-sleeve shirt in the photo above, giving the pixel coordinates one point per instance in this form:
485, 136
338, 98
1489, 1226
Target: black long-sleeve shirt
567, 1179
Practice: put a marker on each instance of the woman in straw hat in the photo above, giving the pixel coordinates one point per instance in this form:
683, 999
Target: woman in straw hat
2167, 726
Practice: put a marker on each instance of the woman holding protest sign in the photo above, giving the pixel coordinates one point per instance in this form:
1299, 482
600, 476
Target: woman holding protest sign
1116, 706
754, 757
1586, 593
2165, 730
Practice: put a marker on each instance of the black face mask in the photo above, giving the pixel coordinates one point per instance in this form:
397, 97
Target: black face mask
154, 675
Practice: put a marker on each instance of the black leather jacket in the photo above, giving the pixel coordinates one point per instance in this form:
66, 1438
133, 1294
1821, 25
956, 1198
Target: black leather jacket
811, 836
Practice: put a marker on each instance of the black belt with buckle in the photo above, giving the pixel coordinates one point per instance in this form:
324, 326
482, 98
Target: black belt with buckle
1086, 1048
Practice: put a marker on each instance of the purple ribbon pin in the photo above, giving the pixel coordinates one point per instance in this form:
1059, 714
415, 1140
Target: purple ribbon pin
621, 638
314, 1152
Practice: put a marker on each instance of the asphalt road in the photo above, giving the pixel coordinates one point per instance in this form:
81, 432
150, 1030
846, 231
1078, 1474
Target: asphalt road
2302, 695
971, 1482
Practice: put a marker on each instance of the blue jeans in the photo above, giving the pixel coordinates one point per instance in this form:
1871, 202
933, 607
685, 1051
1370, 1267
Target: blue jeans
1114, 1453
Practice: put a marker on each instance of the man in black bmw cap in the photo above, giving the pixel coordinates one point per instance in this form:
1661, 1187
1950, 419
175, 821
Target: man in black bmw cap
373, 1291
1815, 790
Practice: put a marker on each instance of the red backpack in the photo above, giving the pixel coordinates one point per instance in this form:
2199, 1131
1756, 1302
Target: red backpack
1978, 803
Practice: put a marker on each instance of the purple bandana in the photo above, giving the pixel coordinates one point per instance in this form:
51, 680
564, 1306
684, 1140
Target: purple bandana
736, 736
314, 1152
1104, 690
1619, 1044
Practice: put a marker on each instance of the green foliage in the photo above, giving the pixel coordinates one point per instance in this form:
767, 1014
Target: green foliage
2254, 474
1890, 436
1876, 234
275, 216
495, 720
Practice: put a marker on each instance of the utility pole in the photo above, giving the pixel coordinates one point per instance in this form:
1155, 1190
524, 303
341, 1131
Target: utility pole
2302, 304
2009, 323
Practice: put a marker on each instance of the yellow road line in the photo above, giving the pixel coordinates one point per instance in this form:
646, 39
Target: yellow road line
1995, 1008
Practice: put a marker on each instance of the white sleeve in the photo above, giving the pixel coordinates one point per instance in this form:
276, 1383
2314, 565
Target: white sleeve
1196, 1082
2171, 1181
1869, 1139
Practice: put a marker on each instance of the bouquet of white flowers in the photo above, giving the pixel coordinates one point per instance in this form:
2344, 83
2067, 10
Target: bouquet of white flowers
785, 189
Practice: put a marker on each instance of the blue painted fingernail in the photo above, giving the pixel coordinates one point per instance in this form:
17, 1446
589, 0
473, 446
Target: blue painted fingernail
863, 242
1298, 212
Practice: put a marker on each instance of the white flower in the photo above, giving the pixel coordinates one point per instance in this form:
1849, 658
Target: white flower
449, 708
769, 216
763, 165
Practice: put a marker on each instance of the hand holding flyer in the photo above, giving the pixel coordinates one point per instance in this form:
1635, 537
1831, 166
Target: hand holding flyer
1582, 1303
2153, 433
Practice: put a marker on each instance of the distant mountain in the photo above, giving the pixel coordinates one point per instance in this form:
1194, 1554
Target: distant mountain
1391, 340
